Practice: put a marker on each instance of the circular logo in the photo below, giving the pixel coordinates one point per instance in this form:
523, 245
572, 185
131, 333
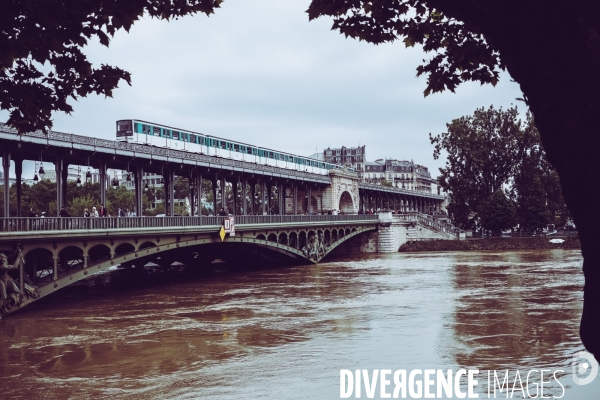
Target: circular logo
584, 363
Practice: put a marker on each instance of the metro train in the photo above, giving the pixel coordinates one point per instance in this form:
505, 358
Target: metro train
148, 133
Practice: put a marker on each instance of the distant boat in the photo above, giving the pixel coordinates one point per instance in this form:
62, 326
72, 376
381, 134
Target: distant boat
559, 241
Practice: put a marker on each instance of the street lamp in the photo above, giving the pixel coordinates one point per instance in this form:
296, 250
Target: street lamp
88, 175
41, 172
35, 178
146, 187
78, 181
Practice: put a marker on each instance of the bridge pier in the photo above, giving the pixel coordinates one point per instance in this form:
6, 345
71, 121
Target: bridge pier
6, 170
102, 177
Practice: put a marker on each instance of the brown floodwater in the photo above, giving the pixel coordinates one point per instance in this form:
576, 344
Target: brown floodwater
287, 332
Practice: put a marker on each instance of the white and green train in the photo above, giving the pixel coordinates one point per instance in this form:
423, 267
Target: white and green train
143, 132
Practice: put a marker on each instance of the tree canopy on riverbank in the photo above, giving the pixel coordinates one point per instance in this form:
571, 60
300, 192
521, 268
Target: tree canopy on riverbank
493, 151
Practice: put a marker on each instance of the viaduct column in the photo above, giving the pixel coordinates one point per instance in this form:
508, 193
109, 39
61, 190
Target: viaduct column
234, 189
281, 197
199, 193
252, 197
138, 188
223, 197
295, 199
58, 166
102, 182
6, 170
244, 196
263, 189
64, 180
214, 192
102, 177
309, 203
19, 173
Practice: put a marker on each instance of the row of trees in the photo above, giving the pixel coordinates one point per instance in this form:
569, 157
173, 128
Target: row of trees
497, 173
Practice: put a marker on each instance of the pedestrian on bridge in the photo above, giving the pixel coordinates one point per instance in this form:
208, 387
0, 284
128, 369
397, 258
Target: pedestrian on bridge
64, 212
103, 211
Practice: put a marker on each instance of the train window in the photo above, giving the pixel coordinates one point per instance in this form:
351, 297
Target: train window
236, 147
200, 139
156, 131
138, 128
224, 145
176, 135
271, 154
254, 151
193, 138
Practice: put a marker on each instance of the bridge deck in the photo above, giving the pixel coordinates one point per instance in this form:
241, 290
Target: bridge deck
44, 227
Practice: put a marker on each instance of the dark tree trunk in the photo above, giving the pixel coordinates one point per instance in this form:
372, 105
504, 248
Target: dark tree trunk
553, 51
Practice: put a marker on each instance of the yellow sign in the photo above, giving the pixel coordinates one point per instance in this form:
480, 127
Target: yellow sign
222, 233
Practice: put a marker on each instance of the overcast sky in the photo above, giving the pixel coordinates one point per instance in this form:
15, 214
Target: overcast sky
259, 72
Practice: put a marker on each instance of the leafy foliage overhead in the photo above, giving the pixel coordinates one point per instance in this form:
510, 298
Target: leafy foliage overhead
461, 54
42, 64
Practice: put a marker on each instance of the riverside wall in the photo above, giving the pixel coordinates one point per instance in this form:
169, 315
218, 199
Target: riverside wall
490, 244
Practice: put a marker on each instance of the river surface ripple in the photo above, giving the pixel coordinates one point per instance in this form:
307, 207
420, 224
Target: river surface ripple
286, 332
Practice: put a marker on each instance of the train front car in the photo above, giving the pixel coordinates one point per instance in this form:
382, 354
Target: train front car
125, 130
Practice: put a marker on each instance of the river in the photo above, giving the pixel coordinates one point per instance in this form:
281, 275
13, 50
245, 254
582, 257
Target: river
279, 333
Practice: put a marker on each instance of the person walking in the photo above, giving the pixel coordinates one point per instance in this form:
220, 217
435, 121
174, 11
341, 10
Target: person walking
86, 213
103, 212
94, 212
64, 212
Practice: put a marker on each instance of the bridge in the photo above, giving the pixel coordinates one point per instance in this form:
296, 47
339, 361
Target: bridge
297, 192
52, 253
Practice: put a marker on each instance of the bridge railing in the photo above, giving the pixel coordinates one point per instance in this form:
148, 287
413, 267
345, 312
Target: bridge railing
81, 223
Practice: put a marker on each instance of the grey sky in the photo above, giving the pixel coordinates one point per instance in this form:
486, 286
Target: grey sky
259, 72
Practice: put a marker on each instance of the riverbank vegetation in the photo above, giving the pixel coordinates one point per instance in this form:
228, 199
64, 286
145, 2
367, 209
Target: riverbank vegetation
497, 173
489, 244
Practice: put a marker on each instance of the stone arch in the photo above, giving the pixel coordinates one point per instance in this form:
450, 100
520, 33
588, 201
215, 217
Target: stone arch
272, 238
293, 240
302, 239
146, 245
124, 248
347, 232
341, 233
327, 237
283, 238
71, 257
39, 264
346, 204
334, 235
261, 237
99, 252
353, 230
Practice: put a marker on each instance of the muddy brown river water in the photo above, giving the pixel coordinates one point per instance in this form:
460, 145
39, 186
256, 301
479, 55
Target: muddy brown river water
279, 333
